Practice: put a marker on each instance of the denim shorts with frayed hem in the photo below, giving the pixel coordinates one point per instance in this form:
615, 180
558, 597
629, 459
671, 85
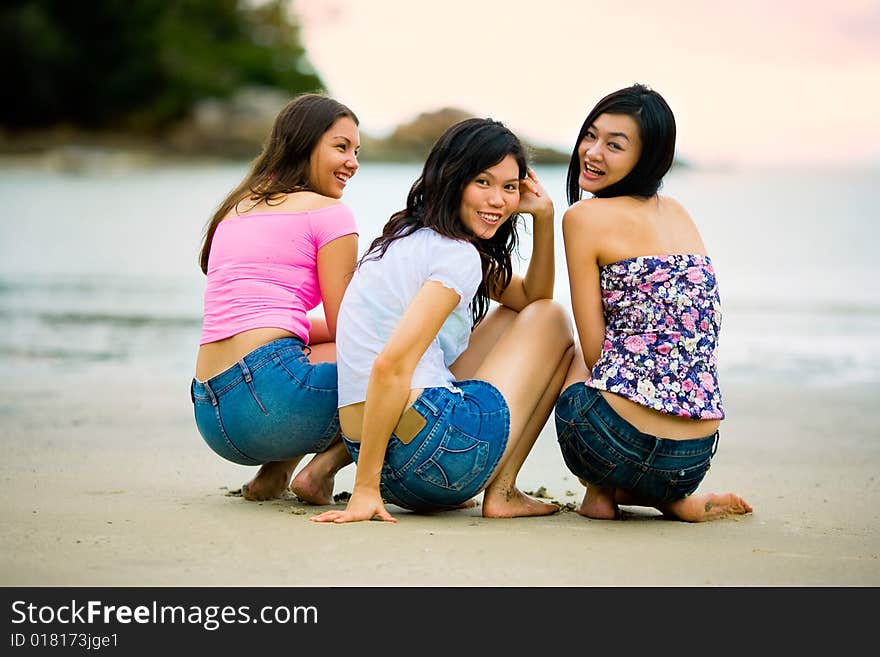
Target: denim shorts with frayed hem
602, 448
453, 456
272, 405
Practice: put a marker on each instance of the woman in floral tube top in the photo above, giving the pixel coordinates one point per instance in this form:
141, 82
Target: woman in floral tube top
638, 418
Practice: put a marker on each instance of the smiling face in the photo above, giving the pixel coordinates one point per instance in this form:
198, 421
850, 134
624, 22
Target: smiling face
334, 159
609, 150
490, 198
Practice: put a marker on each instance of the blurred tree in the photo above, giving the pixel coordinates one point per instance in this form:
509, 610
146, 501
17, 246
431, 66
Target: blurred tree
141, 63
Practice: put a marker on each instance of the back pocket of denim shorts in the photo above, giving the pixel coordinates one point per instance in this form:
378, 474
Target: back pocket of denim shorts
681, 483
456, 462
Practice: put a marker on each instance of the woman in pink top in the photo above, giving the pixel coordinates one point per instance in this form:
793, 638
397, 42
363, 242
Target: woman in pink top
280, 243
638, 418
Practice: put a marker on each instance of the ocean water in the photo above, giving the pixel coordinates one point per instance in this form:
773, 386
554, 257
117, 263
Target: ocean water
98, 267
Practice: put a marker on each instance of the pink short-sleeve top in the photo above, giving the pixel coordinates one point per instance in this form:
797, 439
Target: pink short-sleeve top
263, 270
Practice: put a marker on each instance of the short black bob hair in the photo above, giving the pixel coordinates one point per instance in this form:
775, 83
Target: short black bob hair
657, 132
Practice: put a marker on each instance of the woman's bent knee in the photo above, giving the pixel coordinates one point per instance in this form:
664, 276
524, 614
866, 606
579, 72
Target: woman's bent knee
553, 316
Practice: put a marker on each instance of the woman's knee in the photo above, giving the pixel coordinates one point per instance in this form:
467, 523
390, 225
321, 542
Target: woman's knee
552, 316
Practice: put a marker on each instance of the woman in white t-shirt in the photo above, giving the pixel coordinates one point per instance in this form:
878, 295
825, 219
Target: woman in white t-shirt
440, 398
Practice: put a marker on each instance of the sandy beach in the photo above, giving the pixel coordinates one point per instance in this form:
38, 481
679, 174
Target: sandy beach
107, 483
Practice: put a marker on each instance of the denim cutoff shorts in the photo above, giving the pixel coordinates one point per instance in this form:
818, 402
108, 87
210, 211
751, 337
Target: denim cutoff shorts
602, 448
452, 458
272, 405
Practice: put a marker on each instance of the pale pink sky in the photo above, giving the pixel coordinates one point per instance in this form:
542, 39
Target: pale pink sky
753, 82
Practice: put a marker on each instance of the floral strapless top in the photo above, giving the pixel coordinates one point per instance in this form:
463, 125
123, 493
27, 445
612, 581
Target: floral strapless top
662, 319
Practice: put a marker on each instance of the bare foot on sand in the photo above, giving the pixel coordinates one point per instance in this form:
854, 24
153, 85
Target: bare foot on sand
710, 506
312, 489
270, 482
599, 503
515, 504
314, 483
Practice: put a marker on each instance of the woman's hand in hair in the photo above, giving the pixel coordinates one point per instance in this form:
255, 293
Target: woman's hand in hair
541, 272
533, 199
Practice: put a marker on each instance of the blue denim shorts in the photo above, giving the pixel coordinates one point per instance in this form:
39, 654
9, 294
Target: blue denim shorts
453, 456
602, 448
272, 405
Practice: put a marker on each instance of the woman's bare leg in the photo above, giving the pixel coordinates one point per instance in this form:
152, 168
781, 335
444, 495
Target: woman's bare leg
525, 355
599, 501
497, 501
483, 338
694, 508
314, 483
708, 506
271, 480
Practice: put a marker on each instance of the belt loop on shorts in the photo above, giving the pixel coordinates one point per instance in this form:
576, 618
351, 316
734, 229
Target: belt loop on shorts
248, 377
592, 401
210, 393
649, 459
431, 406
715, 444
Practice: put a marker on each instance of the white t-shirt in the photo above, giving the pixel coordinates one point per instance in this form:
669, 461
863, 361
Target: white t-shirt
381, 291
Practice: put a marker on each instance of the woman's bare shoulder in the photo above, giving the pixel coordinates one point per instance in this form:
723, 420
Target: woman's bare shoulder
305, 200
672, 205
295, 202
675, 212
591, 211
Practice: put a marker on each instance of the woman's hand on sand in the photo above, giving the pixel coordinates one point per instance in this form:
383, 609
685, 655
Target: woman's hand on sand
533, 199
360, 507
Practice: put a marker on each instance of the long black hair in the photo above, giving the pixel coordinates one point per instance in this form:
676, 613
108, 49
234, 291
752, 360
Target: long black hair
465, 150
657, 132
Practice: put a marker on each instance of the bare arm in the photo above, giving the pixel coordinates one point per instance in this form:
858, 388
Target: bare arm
541, 273
318, 331
387, 394
579, 233
336, 262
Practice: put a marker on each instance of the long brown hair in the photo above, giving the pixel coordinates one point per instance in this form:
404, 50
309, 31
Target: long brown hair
283, 165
